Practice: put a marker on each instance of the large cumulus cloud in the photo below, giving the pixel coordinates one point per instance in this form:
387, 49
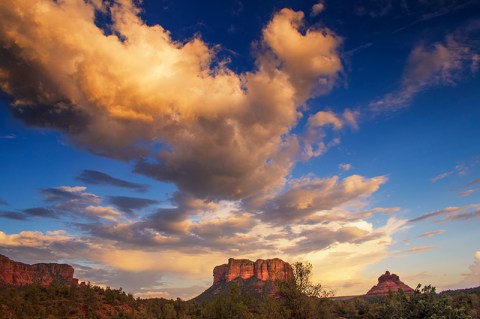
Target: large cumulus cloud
181, 114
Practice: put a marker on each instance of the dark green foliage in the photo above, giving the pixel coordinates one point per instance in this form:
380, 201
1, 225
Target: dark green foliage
297, 299
423, 303
300, 298
57, 301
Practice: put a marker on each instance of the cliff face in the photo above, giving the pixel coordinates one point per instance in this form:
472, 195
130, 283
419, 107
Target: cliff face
264, 270
257, 278
14, 273
386, 283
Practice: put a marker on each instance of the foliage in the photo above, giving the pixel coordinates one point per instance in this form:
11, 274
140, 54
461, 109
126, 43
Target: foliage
301, 298
302, 273
297, 299
423, 303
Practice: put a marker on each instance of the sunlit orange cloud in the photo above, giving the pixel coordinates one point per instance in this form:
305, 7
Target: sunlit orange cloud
110, 91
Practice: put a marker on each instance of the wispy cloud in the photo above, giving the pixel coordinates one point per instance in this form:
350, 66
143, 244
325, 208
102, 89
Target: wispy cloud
27, 214
8, 137
474, 182
441, 176
93, 177
3, 202
463, 216
461, 169
66, 202
321, 237
467, 192
441, 64
439, 9
14, 215
41, 212
345, 167
419, 249
452, 213
432, 233
130, 204
318, 8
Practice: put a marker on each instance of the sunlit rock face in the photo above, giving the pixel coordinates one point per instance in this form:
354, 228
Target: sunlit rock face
257, 278
14, 273
265, 270
388, 283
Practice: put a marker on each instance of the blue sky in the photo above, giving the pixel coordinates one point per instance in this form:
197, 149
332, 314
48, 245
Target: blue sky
139, 139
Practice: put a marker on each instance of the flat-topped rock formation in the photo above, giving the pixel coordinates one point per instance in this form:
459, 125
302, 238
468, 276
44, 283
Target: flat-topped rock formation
257, 278
388, 283
14, 273
265, 270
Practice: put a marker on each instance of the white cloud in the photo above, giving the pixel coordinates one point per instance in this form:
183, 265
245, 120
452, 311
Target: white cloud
317, 8
472, 277
345, 167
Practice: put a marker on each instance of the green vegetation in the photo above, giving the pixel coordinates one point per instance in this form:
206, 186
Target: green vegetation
296, 299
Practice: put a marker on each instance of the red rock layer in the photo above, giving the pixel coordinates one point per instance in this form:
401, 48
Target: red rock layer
386, 283
14, 273
264, 270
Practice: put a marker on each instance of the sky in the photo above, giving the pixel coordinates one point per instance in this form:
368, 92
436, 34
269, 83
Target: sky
145, 142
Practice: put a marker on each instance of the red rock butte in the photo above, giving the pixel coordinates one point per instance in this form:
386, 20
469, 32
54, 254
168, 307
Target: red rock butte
14, 273
262, 269
257, 278
388, 283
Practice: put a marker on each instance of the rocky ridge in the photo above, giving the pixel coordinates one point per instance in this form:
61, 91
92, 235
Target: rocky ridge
17, 274
388, 283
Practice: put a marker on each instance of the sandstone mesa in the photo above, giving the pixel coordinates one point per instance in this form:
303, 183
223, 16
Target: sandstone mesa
17, 274
256, 278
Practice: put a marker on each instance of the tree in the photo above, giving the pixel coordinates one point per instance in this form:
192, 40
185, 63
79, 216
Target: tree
301, 298
302, 273
423, 303
231, 306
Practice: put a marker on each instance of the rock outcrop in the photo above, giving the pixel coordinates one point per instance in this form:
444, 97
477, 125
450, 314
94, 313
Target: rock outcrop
14, 273
265, 270
257, 278
388, 283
